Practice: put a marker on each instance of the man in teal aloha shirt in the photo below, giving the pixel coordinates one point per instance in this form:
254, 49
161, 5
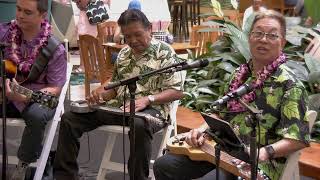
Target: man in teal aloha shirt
153, 97
276, 91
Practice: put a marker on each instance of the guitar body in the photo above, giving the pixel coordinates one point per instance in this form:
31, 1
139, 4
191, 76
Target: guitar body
12, 72
206, 152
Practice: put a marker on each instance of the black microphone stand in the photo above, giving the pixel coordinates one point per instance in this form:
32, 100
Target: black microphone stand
4, 115
221, 144
132, 90
131, 83
253, 119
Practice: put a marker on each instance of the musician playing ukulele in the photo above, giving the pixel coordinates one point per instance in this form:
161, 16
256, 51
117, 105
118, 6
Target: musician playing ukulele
26, 37
153, 97
277, 92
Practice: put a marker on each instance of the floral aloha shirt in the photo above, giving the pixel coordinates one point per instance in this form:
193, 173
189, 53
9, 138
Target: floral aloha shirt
283, 100
158, 55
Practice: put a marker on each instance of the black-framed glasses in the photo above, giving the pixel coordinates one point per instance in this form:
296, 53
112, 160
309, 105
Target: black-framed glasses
260, 34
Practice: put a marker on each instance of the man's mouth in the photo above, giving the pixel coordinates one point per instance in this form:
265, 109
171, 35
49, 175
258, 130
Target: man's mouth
262, 49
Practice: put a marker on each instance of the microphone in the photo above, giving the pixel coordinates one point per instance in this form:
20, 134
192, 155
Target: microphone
191, 65
231, 95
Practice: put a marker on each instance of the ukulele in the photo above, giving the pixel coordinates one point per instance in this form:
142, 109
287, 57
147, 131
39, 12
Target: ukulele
48, 100
206, 152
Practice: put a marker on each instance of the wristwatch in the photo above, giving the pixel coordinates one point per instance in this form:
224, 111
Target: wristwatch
151, 98
270, 151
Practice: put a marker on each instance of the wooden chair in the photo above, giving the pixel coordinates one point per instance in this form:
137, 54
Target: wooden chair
279, 5
244, 4
96, 67
51, 131
178, 10
106, 31
194, 11
314, 48
201, 39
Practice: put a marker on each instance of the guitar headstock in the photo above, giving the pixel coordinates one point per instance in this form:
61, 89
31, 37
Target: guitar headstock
48, 100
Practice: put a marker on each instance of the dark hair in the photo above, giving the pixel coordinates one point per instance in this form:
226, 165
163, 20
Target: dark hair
42, 6
133, 15
273, 15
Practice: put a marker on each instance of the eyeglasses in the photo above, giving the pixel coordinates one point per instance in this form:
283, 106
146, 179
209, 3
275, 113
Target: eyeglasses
260, 35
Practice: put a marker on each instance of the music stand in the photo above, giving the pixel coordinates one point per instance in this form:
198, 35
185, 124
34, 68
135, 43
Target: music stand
227, 140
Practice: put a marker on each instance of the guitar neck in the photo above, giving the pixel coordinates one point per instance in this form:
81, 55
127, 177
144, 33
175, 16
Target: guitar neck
16, 88
206, 153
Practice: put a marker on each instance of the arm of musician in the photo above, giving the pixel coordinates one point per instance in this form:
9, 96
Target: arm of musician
165, 96
282, 148
53, 90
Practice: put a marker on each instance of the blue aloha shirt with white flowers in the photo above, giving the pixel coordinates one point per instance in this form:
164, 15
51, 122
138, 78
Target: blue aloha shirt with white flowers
158, 55
284, 101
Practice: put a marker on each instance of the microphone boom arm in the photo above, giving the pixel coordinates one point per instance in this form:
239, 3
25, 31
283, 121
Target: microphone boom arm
139, 77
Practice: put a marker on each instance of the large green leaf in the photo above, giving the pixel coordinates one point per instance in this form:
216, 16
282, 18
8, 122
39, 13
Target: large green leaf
240, 41
312, 63
216, 8
299, 69
314, 102
314, 77
226, 66
206, 91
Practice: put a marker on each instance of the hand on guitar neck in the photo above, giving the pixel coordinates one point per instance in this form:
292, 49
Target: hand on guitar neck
196, 137
12, 95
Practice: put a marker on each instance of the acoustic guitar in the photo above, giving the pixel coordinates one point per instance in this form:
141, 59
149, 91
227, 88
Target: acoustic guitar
206, 152
48, 100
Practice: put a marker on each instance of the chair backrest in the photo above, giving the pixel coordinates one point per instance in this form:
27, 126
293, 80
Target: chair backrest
201, 39
291, 169
96, 67
106, 30
314, 48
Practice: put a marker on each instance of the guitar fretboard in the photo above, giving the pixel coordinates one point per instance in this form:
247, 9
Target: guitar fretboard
21, 90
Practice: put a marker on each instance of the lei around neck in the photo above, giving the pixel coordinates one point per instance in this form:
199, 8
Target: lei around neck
24, 63
241, 76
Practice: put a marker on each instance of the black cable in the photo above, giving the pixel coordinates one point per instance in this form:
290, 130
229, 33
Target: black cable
123, 133
258, 145
4, 116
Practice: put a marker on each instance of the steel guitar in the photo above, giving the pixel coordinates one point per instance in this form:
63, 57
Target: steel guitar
83, 107
177, 145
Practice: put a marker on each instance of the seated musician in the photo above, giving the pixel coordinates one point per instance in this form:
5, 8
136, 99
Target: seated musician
153, 96
27, 37
281, 96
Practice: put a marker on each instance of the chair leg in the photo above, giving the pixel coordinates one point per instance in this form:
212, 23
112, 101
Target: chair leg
46, 150
106, 156
166, 135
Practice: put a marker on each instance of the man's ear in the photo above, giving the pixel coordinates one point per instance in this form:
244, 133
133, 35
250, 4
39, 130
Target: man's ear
283, 42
